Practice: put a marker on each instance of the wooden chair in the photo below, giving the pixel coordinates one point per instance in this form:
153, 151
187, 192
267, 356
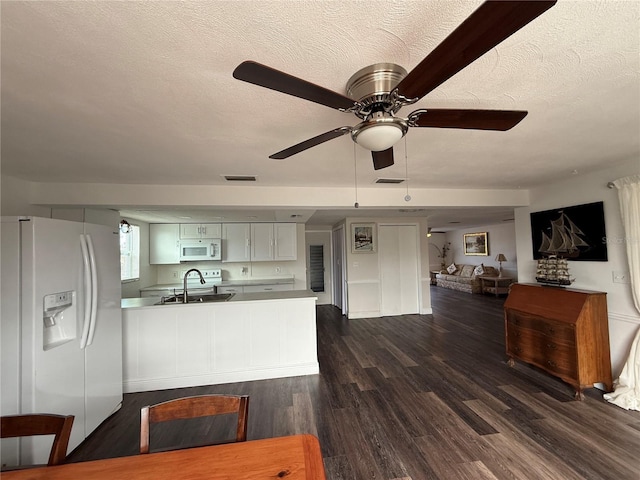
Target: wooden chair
194, 407
41, 424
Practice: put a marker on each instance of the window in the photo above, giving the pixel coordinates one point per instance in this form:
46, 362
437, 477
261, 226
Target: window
130, 254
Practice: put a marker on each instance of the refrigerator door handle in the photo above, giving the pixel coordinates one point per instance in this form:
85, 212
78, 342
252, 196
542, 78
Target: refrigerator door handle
94, 290
87, 292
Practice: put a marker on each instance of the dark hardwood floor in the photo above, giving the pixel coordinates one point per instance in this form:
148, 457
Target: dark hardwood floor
415, 397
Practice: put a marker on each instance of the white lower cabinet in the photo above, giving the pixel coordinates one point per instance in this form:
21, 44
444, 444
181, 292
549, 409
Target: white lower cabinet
188, 345
281, 287
234, 289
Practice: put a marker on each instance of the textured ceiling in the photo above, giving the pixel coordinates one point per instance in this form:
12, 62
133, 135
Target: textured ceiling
143, 93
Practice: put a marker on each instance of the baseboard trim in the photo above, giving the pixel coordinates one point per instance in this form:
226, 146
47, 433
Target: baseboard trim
132, 386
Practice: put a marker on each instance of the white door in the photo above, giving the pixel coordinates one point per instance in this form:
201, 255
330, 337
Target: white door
318, 253
339, 286
399, 283
103, 358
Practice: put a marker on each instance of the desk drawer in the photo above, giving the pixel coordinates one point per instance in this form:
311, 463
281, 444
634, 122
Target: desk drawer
562, 332
558, 356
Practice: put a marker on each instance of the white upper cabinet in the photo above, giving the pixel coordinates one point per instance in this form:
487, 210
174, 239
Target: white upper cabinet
273, 242
164, 243
286, 241
236, 241
200, 230
262, 242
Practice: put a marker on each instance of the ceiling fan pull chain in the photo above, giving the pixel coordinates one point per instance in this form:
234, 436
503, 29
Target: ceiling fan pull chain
407, 197
355, 175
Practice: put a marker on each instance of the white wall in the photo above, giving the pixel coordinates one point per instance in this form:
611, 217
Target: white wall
15, 199
624, 320
501, 238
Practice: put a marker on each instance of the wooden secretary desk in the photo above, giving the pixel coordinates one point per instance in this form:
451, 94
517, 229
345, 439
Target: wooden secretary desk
563, 331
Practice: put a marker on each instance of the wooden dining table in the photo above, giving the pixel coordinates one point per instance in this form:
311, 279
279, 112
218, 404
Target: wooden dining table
295, 457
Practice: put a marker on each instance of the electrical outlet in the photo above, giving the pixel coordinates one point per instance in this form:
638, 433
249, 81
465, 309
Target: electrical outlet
174, 274
620, 277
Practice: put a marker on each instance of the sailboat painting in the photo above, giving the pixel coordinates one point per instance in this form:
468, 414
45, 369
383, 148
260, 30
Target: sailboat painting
572, 233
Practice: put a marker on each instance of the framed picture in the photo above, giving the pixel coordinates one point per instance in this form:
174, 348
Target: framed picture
363, 239
476, 244
575, 233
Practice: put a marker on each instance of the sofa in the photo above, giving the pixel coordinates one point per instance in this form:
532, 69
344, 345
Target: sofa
465, 278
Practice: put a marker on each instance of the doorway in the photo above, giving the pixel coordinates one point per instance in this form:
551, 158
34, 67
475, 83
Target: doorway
339, 275
318, 252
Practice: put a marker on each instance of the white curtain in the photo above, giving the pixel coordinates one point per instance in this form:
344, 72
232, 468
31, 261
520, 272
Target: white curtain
629, 196
627, 387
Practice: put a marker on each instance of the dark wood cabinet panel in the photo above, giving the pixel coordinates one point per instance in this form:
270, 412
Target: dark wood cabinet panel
563, 331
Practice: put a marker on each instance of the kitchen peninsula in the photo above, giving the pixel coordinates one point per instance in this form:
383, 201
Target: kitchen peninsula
251, 336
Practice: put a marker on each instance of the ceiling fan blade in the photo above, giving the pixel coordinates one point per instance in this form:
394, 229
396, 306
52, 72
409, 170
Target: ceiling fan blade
268, 77
489, 25
312, 142
382, 159
474, 119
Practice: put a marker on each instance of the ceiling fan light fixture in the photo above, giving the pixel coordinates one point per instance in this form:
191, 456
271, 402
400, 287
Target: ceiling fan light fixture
379, 133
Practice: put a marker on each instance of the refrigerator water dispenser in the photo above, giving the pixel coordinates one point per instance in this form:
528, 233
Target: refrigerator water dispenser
59, 319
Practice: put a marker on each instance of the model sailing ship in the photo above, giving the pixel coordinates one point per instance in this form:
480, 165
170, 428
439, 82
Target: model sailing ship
565, 242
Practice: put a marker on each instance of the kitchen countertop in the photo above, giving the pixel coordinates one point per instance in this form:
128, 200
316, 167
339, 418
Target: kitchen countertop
238, 297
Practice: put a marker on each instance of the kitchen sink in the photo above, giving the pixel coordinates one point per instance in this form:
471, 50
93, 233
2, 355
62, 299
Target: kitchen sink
204, 298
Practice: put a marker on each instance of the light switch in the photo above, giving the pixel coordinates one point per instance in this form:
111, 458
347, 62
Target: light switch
620, 277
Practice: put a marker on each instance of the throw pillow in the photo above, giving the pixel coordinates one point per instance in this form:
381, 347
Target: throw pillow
451, 268
479, 270
466, 271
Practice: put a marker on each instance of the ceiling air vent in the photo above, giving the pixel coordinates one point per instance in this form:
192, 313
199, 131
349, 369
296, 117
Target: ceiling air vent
390, 180
240, 178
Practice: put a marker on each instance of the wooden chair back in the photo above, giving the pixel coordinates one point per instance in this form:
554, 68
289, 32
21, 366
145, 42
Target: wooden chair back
194, 407
41, 424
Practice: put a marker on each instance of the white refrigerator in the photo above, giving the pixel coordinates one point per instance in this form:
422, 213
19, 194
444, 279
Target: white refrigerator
61, 327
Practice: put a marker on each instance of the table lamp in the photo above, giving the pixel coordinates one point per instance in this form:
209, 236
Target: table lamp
500, 258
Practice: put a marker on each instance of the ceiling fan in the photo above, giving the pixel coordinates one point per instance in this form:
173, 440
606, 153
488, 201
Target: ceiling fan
377, 92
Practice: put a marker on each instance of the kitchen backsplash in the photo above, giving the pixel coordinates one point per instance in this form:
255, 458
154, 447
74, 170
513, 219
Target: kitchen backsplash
233, 271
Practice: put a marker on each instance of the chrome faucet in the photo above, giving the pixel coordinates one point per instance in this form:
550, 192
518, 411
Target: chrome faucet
185, 298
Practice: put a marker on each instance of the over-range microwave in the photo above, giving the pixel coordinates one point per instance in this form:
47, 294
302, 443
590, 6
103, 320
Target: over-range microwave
201, 249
